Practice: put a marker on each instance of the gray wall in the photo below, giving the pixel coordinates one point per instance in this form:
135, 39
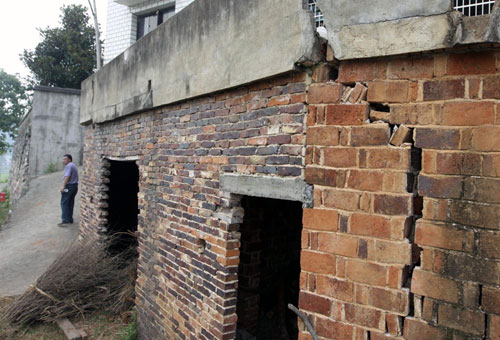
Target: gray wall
209, 46
19, 166
55, 128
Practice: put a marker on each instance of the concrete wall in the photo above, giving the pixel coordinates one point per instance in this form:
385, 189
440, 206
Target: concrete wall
227, 43
121, 29
54, 128
400, 26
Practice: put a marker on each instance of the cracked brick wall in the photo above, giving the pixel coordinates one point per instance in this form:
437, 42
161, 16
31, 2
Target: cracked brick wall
403, 240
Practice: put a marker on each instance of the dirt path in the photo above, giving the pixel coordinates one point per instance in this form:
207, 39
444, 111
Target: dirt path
31, 239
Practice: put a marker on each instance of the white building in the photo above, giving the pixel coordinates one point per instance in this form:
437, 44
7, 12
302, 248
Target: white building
129, 20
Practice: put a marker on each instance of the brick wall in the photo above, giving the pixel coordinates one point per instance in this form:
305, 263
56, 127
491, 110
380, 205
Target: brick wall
375, 263
189, 245
403, 238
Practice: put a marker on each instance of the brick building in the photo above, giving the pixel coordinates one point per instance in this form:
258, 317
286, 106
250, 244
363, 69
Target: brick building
356, 177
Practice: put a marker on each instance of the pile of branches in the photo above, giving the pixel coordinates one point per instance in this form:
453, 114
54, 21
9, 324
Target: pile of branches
87, 277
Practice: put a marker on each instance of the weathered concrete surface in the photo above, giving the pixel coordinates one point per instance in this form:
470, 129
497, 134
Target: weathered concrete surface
31, 240
19, 166
358, 29
226, 43
55, 128
292, 189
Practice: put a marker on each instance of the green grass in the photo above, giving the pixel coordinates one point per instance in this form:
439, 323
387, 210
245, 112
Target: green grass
51, 167
130, 331
4, 177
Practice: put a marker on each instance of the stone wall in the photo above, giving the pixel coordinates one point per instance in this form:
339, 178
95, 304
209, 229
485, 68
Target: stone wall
403, 240
19, 168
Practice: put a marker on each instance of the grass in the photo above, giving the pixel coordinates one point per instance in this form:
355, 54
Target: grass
51, 167
4, 177
99, 326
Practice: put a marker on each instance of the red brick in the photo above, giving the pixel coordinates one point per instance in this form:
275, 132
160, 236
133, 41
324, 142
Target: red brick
481, 189
489, 246
388, 158
257, 141
338, 244
462, 319
363, 316
486, 138
341, 199
365, 272
322, 135
437, 138
353, 71
324, 93
468, 113
390, 252
457, 163
440, 187
277, 101
317, 262
346, 114
434, 286
333, 330
314, 303
423, 114
320, 219
365, 180
441, 236
491, 165
339, 157
428, 309
494, 329
475, 214
388, 92
491, 87
369, 135
327, 177
394, 324
419, 330
444, 89
382, 336
474, 88
370, 225
410, 68
389, 300
392, 204
471, 63
337, 289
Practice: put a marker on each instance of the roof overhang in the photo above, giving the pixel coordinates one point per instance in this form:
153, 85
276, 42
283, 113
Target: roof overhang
130, 2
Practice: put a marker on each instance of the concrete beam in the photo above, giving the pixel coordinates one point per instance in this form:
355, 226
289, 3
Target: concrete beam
358, 29
209, 46
292, 189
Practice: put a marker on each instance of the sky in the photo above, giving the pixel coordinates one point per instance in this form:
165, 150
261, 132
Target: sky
19, 20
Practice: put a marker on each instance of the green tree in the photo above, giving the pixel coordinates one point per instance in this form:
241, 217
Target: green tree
13, 103
66, 55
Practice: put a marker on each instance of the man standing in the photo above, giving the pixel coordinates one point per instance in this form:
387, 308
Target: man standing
68, 190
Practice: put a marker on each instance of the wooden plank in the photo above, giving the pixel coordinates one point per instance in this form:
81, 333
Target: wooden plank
70, 330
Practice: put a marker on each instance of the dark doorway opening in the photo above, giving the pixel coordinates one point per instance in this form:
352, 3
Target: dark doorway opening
123, 204
269, 269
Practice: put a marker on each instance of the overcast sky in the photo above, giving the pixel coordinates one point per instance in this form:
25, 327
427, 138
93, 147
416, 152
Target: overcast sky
19, 20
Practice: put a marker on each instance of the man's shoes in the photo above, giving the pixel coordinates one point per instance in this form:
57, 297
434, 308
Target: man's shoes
63, 224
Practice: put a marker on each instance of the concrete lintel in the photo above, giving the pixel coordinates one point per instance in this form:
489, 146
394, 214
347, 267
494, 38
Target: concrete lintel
292, 189
122, 159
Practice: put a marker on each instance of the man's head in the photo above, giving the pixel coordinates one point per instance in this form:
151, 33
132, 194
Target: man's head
67, 159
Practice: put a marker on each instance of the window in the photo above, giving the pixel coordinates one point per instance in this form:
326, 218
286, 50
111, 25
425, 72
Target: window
318, 16
472, 8
147, 23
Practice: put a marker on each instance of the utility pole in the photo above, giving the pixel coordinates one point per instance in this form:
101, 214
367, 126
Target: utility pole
93, 9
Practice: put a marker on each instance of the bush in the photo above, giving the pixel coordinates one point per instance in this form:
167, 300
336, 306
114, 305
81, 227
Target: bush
52, 167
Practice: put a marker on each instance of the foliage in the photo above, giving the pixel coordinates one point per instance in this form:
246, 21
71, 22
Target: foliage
130, 331
13, 103
66, 55
51, 167
4, 209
